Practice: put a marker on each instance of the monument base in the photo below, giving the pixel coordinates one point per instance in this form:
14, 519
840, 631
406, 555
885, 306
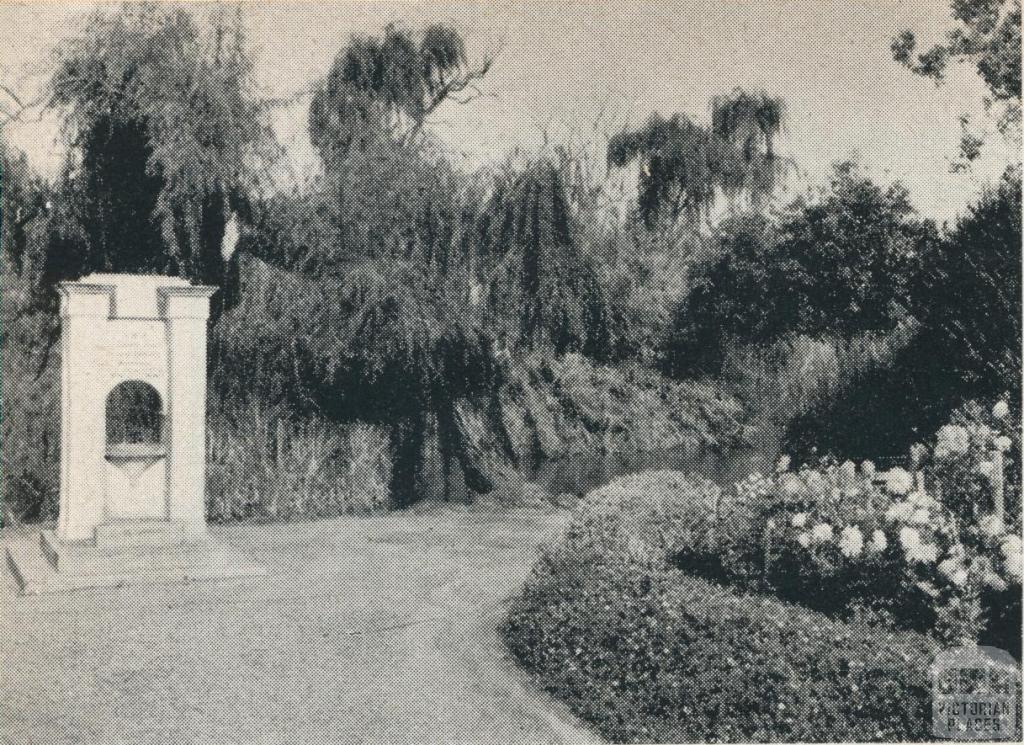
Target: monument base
121, 554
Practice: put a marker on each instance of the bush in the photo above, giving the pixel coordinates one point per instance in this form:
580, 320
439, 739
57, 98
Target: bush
917, 551
650, 516
644, 653
836, 268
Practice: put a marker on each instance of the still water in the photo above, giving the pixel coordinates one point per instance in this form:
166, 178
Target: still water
580, 474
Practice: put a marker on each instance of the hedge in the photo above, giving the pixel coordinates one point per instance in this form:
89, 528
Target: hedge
647, 653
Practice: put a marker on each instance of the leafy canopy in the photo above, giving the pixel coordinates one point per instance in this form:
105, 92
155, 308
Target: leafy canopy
987, 33
168, 134
838, 267
385, 87
683, 165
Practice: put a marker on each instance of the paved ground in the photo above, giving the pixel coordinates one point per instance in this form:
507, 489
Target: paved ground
366, 630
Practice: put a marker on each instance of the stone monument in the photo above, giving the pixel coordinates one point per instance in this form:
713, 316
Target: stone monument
133, 440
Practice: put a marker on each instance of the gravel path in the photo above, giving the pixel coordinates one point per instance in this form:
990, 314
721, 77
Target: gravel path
377, 629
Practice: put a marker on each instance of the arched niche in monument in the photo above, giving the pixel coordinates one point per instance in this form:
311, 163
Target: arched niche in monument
135, 452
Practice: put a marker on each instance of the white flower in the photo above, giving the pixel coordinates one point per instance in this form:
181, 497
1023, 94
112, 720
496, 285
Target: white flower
868, 469
799, 520
783, 464
922, 552
991, 526
1011, 546
952, 439
804, 540
771, 525
848, 472
986, 468
959, 577
920, 517
899, 481
909, 537
993, 580
878, 542
957, 551
900, 511
1003, 443
949, 567
1000, 410
816, 483
851, 541
1013, 567
792, 486
822, 532
921, 499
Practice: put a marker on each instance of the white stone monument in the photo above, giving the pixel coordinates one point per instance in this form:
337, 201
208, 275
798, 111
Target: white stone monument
133, 440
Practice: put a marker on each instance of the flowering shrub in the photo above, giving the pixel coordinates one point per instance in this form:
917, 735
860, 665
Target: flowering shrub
963, 461
849, 541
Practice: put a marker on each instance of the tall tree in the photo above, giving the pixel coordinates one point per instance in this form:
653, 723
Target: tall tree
987, 33
543, 291
168, 136
386, 87
838, 267
684, 166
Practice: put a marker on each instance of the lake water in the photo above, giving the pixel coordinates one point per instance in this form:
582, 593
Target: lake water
580, 474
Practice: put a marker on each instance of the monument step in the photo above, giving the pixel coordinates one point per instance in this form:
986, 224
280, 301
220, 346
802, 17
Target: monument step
140, 533
35, 575
85, 558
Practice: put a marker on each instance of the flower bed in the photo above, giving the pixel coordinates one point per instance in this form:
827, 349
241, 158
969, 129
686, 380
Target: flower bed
920, 551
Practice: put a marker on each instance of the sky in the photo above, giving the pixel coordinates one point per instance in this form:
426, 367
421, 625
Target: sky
579, 70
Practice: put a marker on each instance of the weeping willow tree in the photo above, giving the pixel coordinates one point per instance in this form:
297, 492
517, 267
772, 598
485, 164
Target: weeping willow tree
403, 339
684, 166
167, 135
389, 342
542, 290
385, 88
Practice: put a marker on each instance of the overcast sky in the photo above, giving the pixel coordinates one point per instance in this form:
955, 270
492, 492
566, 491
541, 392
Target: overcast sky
560, 65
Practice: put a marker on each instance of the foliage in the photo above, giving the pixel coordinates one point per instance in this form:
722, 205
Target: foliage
384, 88
969, 291
168, 135
853, 254
386, 203
967, 344
799, 374
987, 32
263, 466
388, 344
743, 295
649, 654
543, 291
683, 165
835, 268
935, 559
29, 359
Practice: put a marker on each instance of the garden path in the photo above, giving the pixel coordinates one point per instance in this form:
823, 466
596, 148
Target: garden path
376, 629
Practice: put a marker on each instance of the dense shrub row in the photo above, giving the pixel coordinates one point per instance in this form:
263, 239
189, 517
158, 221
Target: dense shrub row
805, 606
648, 654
